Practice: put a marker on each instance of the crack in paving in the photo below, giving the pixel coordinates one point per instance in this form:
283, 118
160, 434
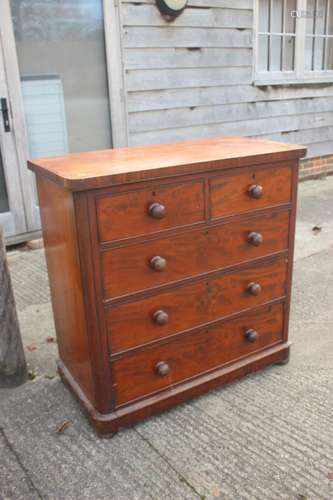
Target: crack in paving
300, 259
24, 469
181, 477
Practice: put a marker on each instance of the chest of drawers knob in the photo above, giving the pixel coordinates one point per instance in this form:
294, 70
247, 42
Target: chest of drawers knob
255, 239
157, 210
251, 335
256, 191
253, 288
158, 263
162, 368
160, 317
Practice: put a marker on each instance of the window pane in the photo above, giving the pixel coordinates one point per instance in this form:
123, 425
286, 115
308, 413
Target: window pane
3, 191
308, 53
290, 20
314, 52
330, 18
321, 17
329, 54
62, 62
310, 18
318, 54
263, 53
275, 57
263, 15
288, 53
276, 17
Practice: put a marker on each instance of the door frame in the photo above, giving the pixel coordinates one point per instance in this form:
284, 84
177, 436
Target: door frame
13, 222
117, 99
113, 33
18, 121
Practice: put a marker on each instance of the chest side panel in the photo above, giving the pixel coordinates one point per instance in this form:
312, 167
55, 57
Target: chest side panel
63, 264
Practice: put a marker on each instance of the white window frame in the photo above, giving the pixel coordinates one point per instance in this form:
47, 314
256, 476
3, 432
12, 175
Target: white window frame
298, 75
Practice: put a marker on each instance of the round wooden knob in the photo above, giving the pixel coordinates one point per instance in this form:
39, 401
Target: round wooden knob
157, 210
158, 263
256, 191
255, 239
253, 288
251, 335
161, 317
162, 368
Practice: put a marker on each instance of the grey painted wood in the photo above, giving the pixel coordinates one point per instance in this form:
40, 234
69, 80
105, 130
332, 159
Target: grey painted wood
191, 116
148, 15
13, 369
172, 36
221, 4
153, 79
245, 127
183, 57
306, 136
193, 78
214, 96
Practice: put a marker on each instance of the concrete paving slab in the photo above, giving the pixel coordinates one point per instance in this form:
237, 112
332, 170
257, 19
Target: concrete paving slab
39, 339
76, 464
312, 292
311, 322
315, 208
267, 436
14, 482
29, 277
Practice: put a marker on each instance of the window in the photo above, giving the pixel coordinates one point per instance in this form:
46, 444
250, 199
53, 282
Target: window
294, 41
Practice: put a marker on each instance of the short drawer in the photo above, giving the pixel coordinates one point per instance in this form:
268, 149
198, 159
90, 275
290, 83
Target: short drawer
189, 306
146, 265
158, 368
145, 211
250, 189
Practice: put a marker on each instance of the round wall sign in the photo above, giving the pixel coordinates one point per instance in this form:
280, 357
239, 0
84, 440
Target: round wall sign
171, 8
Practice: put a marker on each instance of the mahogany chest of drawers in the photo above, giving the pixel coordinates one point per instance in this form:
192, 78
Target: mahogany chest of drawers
170, 269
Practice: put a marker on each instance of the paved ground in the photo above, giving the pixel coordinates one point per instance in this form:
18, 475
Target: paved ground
269, 436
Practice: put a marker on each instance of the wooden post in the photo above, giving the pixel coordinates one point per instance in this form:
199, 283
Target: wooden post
13, 368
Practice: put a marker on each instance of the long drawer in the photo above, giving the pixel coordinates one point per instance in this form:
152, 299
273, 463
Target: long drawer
160, 367
145, 265
167, 313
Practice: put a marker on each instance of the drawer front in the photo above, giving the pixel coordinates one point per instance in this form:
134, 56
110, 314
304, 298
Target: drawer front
164, 314
145, 265
157, 368
149, 210
250, 190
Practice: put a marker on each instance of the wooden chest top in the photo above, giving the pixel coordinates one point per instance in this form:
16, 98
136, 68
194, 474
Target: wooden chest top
97, 169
